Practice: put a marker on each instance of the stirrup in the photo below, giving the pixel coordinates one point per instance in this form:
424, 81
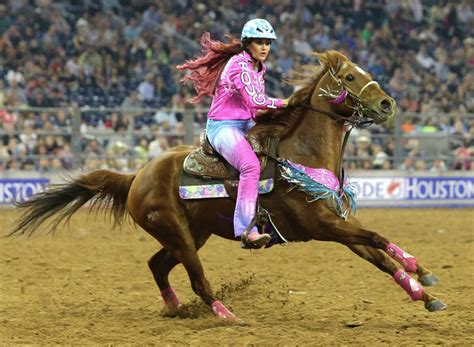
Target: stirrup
248, 244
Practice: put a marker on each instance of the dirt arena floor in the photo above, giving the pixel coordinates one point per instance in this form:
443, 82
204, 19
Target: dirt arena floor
91, 285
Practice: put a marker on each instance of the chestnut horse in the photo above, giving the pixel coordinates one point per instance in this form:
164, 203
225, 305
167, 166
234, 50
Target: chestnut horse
310, 133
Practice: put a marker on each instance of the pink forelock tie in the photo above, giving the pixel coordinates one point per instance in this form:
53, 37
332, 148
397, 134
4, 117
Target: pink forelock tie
340, 98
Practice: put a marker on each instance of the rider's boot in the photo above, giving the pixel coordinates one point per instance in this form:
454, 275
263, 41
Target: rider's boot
258, 239
252, 239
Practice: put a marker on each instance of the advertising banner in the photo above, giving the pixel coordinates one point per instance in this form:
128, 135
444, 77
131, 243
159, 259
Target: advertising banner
15, 190
415, 191
372, 191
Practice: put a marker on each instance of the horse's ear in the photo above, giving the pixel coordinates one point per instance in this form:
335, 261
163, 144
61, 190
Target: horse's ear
331, 59
322, 58
336, 59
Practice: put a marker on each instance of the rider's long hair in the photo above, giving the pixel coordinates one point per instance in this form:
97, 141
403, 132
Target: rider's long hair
206, 69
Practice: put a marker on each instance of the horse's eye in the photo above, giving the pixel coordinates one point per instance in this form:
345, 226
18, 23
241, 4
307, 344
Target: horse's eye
350, 78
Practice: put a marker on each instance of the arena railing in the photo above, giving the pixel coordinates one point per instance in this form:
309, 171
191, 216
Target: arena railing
48, 139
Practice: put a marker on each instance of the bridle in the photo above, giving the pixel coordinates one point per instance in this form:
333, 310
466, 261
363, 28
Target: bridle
343, 94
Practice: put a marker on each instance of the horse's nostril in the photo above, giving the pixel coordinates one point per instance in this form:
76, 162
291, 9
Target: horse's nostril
386, 105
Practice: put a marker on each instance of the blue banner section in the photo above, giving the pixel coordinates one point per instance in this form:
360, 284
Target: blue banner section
440, 188
16, 190
371, 191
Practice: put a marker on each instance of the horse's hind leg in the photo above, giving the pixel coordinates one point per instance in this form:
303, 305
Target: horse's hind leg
191, 262
160, 264
182, 248
410, 285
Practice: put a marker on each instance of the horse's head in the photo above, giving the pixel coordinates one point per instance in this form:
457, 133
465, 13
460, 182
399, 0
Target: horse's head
351, 90
347, 91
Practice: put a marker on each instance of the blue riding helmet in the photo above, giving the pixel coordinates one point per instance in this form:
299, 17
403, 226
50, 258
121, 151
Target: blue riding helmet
257, 29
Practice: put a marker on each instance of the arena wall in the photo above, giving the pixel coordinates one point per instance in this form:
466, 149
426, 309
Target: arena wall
374, 188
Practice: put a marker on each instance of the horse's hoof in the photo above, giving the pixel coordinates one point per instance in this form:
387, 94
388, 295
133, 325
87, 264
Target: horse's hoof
428, 280
222, 312
435, 305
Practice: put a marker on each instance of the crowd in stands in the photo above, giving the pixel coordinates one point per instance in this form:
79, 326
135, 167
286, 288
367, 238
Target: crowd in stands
122, 54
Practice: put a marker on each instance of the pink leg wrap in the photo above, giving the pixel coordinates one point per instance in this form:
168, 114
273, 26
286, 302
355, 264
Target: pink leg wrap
407, 260
170, 298
411, 286
221, 311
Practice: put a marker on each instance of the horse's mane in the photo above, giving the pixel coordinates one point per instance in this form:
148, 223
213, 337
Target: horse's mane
278, 123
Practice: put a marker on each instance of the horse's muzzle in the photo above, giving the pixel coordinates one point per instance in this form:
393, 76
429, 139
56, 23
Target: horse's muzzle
383, 111
387, 105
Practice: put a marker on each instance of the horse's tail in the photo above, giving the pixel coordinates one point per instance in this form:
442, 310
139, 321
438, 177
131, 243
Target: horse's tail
105, 189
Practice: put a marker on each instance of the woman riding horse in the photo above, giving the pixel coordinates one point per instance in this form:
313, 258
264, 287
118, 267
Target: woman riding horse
310, 134
234, 75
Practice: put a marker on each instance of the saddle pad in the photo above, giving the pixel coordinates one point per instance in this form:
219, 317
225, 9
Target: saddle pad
196, 187
213, 188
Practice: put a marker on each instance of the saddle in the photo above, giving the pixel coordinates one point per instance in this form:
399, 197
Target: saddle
204, 166
207, 174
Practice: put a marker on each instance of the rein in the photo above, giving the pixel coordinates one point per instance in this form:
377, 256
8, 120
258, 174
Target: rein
354, 121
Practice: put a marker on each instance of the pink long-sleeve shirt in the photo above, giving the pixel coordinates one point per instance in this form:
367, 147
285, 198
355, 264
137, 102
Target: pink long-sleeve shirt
240, 91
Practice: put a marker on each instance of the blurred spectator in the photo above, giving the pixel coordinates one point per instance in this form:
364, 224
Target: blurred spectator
116, 122
397, 83
408, 127
132, 30
132, 101
146, 89
117, 156
166, 120
5, 19
380, 157
429, 127
424, 58
29, 138
158, 145
439, 166
408, 165
420, 165
151, 18
141, 153
463, 158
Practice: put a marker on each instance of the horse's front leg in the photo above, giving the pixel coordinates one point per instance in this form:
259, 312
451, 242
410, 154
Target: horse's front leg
352, 235
409, 262
383, 262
